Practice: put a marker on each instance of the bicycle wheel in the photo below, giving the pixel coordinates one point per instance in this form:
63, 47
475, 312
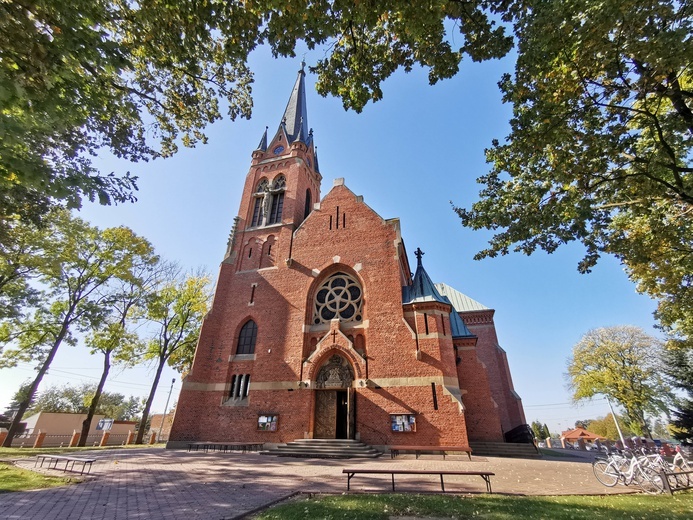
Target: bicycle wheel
649, 480
605, 472
681, 480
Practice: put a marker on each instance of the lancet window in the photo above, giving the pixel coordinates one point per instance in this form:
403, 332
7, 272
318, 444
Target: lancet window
247, 338
268, 202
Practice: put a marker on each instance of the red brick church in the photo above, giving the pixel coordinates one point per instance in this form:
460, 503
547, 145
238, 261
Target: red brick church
319, 329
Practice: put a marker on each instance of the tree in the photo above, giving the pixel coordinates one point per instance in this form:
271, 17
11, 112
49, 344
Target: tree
175, 310
76, 399
624, 364
545, 431
138, 78
79, 262
606, 427
538, 430
678, 367
113, 337
600, 145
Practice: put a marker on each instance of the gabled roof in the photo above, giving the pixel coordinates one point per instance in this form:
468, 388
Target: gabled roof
580, 433
460, 301
295, 120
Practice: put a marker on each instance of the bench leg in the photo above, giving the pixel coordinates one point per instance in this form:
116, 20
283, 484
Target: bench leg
442, 484
393, 482
349, 475
487, 479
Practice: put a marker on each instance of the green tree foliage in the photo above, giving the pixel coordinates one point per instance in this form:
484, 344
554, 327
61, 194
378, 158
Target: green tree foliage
76, 399
538, 430
79, 263
605, 427
600, 145
114, 337
624, 364
175, 311
678, 366
138, 78
545, 432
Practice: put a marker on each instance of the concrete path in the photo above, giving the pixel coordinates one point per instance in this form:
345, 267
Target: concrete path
170, 485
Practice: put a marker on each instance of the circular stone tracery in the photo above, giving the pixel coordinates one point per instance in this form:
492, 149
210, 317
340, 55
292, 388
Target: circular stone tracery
339, 297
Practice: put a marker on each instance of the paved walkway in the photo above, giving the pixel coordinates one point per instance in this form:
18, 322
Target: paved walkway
170, 485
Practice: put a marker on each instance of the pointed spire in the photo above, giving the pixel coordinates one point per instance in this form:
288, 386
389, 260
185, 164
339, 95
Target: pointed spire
422, 288
263, 142
295, 118
315, 160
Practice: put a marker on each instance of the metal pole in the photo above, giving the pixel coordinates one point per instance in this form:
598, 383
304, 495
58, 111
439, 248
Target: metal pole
620, 433
163, 418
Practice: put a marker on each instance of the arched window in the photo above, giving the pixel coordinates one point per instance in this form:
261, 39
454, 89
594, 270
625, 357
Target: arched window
278, 187
258, 206
340, 296
247, 338
309, 204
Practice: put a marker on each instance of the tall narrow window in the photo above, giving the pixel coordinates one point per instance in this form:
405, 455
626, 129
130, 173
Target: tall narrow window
277, 205
257, 212
309, 204
247, 338
258, 205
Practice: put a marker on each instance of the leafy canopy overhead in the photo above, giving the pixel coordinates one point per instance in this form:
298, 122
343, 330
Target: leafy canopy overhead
138, 78
600, 144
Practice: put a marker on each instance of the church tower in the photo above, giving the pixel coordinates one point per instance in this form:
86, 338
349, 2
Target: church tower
280, 189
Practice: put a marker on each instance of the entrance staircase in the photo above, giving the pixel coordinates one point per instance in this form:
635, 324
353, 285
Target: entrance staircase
504, 449
324, 449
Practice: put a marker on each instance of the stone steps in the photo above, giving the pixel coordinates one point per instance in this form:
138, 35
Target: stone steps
504, 449
324, 449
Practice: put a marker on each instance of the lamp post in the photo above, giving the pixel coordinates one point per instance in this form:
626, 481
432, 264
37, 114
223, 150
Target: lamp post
163, 418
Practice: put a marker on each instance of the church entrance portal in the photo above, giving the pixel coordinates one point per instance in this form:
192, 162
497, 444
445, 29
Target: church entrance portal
334, 401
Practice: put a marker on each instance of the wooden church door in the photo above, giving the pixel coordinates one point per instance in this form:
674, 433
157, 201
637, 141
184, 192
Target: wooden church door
334, 401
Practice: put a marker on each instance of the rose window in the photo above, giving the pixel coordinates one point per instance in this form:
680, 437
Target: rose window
339, 297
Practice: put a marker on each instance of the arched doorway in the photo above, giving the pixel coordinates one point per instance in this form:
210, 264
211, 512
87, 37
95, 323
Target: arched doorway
334, 400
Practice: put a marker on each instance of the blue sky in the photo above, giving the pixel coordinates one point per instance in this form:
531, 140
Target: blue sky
409, 155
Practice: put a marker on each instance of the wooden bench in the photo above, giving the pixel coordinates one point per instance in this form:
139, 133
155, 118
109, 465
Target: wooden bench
69, 461
486, 475
225, 446
418, 450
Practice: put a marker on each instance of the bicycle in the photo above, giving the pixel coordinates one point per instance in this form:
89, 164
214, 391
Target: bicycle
628, 469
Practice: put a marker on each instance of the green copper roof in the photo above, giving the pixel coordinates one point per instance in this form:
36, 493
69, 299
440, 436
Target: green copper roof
460, 301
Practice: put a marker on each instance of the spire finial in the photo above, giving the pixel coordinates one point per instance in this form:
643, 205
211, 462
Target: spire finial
419, 254
303, 64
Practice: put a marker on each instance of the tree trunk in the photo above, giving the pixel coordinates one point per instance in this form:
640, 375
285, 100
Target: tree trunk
150, 399
24, 405
86, 424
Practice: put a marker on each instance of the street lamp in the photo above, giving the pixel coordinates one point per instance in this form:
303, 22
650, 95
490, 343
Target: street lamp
163, 418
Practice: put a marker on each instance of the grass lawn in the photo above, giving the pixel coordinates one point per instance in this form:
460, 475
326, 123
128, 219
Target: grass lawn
17, 479
16, 453
487, 507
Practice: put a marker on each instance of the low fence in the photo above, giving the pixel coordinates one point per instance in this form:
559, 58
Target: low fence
46, 440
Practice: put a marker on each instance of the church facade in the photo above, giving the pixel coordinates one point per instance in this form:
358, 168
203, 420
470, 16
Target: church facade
319, 327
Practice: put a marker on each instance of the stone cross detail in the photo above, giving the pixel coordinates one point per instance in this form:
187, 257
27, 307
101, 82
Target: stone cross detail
334, 336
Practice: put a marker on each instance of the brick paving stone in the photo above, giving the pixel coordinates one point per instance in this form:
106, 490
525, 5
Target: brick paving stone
177, 485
